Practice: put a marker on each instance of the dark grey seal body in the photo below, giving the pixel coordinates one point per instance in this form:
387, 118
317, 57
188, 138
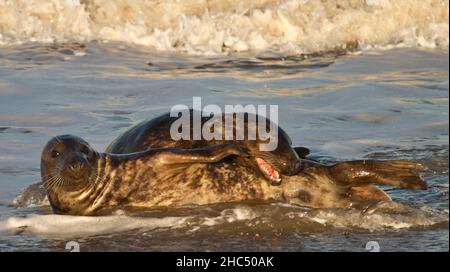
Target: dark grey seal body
155, 133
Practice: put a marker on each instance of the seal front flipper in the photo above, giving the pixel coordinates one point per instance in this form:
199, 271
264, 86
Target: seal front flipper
396, 173
208, 154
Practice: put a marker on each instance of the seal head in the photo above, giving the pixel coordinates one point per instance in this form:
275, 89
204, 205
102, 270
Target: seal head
67, 162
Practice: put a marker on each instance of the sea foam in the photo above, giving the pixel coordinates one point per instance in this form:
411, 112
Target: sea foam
387, 216
220, 27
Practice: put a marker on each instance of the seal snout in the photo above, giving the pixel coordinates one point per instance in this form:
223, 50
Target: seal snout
76, 166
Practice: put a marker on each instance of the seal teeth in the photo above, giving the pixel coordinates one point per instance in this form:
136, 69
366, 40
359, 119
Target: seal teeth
268, 171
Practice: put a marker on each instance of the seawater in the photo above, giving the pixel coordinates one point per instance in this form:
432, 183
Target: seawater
353, 80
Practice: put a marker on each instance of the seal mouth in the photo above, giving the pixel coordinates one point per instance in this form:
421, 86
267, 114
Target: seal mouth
268, 171
76, 175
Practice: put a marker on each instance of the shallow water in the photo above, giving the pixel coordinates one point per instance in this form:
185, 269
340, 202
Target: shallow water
390, 104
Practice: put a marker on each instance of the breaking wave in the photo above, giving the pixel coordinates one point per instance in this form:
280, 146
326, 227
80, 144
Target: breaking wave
220, 27
388, 216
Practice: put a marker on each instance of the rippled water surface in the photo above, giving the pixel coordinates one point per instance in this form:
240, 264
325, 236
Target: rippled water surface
380, 104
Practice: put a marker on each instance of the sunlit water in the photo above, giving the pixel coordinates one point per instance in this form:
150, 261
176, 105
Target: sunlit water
377, 104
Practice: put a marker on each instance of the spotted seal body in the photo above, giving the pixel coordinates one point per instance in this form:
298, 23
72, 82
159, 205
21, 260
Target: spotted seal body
284, 160
81, 181
155, 133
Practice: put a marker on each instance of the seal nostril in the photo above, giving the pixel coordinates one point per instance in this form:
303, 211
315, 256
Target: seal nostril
77, 169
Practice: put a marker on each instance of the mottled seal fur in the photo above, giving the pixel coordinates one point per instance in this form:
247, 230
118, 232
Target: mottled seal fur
144, 168
155, 133
80, 181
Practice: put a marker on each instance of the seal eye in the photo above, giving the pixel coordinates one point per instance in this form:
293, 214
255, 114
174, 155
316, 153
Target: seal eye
55, 154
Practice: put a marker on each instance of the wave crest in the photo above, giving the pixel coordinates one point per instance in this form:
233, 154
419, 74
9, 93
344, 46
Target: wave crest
217, 27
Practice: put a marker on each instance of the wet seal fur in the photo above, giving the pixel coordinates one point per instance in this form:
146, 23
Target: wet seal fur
80, 181
149, 172
108, 182
155, 133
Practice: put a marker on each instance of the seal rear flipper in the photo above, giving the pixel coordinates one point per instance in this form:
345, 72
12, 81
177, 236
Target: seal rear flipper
366, 196
396, 173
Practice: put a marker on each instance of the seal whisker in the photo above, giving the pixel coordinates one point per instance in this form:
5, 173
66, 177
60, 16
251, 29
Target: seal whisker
48, 175
53, 183
49, 182
59, 183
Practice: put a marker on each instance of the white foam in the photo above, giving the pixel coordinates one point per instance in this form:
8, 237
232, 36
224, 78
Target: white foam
396, 217
388, 215
231, 215
78, 226
215, 27
73, 226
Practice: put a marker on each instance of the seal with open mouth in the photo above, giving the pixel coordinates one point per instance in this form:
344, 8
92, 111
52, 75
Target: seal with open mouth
155, 133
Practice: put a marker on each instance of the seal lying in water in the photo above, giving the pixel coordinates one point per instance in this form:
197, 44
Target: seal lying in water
80, 181
156, 133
